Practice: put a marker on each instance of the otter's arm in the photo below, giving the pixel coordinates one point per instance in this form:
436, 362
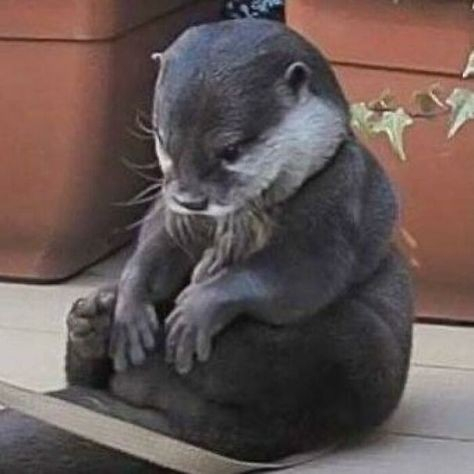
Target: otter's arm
286, 285
281, 285
155, 273
158, 268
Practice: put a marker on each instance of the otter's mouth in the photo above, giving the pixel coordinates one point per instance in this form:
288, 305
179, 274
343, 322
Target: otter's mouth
199, 207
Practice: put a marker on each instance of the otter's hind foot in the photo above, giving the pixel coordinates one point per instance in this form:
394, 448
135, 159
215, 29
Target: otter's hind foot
88, 323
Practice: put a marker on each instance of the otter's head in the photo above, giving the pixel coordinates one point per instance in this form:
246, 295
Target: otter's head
243, 110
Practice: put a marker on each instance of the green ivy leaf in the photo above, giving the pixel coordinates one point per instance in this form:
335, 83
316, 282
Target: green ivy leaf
361, 117
429, 101
461, 102
393, 124
469, 71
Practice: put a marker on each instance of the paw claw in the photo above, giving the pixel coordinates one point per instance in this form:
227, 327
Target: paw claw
79, 327
106, 300
137, 355
78, 305
171, 342
117, 350
185, 352
148, 340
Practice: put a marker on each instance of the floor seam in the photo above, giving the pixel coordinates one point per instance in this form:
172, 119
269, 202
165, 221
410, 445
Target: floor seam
442, 367
31, 330
427, 436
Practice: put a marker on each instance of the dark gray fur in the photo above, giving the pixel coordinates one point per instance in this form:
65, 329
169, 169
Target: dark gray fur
310, 329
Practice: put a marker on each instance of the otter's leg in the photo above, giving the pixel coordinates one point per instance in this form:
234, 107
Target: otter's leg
229, 429
243, 402
369, 338
89, 322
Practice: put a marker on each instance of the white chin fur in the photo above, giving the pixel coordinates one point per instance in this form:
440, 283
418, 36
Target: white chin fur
213, 210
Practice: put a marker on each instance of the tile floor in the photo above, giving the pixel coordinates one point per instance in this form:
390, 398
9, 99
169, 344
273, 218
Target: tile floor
432, 432
32, 330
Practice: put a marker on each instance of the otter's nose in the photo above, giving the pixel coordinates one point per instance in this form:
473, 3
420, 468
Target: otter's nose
193, 203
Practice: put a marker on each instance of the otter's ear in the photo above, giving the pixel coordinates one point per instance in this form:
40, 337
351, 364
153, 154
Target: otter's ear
157, 58
297, 76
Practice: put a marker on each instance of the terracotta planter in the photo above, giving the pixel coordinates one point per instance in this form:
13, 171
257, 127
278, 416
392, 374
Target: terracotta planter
73, 75
375, 45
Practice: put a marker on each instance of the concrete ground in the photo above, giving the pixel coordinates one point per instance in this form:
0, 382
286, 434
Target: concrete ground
432, 431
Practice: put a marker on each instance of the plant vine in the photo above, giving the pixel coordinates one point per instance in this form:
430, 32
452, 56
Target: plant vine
386, 116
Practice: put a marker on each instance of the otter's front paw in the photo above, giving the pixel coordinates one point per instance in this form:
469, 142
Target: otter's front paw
88, 324
133, 332
196, 318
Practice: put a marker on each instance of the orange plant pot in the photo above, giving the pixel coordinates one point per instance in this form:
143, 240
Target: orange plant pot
73, 76
375, 45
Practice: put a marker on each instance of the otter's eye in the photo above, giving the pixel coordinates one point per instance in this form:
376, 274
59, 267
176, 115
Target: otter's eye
229, 154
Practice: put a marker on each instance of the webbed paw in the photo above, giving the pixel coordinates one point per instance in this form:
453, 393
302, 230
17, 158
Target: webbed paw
190, 327
133, 332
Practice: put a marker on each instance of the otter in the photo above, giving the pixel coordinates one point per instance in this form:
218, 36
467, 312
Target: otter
265, 310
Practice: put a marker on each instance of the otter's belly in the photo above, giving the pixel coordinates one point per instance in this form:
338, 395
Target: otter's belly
272, 367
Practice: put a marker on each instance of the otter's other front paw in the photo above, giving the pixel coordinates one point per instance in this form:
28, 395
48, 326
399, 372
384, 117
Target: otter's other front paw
133, 332
88, 324
196, 318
